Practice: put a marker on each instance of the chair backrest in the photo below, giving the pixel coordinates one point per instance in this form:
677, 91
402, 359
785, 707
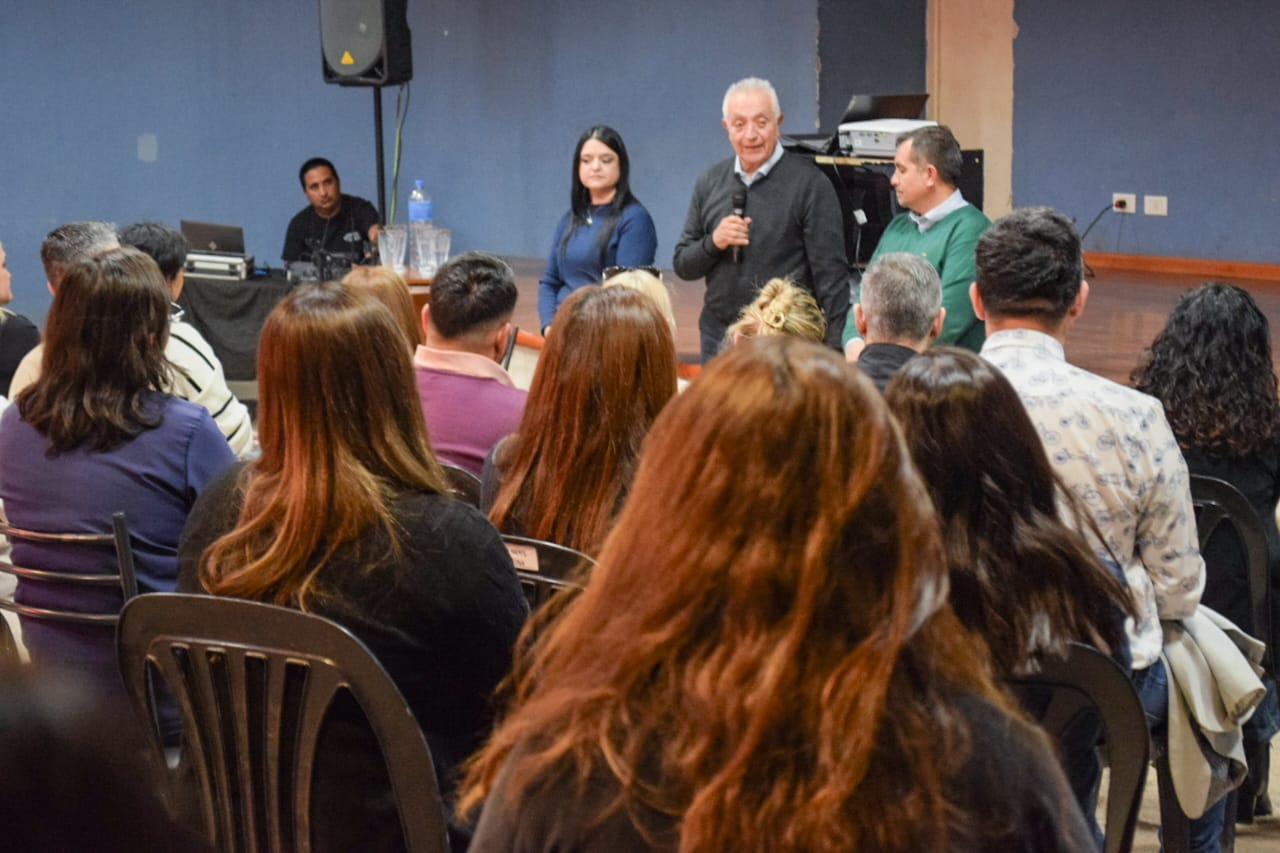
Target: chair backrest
511, 347
253, 682
1221, 510
544, 568
9, 654
123, 579
464, 485
1087, 680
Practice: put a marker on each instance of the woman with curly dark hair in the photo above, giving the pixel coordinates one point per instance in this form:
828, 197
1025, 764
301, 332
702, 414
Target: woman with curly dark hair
1211, 368
763, 658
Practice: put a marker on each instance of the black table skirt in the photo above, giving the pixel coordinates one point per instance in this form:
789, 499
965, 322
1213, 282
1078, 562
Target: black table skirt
230, 315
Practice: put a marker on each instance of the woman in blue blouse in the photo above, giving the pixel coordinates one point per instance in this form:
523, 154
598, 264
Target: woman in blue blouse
605, 226
91, 437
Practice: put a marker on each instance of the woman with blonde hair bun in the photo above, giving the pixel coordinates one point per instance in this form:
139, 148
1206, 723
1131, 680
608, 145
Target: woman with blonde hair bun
763, 658
781, 308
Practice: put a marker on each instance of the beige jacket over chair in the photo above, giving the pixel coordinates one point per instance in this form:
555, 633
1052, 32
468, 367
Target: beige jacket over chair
1213, 669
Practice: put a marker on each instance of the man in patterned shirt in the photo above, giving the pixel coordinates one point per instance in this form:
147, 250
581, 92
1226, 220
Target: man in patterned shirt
1111, 445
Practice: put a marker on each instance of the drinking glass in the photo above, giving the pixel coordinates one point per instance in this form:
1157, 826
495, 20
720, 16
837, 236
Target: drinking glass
393, 240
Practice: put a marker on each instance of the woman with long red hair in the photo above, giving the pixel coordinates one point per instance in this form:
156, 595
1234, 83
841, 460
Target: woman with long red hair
346, 514
608, 368
764, 657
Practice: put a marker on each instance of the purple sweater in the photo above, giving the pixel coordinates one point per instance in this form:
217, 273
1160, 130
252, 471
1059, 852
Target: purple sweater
154, 479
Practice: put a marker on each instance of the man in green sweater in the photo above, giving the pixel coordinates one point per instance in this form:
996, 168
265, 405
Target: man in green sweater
938, 225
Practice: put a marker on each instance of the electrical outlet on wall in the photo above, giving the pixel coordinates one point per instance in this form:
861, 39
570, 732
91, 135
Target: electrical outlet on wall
1124, 202
1155, 205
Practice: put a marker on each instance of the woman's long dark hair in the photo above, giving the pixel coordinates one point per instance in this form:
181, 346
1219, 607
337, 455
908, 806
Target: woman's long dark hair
580, 196
103, 354
1020, 577
1211, 368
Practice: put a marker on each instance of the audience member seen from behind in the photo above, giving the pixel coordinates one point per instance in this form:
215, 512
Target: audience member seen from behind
62, 247
781, 308
469, 400
764, 656
608, 368
647, 281
1030, 291
605, 226
346, 514
1211, 369
390, 289
18, 335
898, 315
197, 374
73, 777
1021, 579
997, 498
93, 437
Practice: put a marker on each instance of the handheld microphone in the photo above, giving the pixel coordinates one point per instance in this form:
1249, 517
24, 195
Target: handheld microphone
739, 209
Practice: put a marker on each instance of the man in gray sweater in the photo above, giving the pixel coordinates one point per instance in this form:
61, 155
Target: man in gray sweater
789, 226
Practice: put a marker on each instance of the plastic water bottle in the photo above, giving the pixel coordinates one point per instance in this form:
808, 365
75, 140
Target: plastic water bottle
419, 203
421, 256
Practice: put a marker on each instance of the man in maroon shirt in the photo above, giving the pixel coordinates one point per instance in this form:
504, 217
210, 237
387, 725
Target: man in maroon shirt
469, 400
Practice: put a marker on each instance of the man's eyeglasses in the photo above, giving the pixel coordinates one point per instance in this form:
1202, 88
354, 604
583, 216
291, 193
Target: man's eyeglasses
610, 272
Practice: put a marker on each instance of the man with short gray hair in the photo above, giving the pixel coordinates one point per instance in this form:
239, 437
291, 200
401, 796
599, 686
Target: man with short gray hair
61, 249
899, 314
764, 213
71, 243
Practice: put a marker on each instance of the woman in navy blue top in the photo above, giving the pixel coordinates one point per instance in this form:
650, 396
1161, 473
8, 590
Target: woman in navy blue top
605, 226
91, 437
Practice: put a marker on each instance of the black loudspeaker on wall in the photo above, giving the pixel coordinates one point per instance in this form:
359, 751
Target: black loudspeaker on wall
365, 42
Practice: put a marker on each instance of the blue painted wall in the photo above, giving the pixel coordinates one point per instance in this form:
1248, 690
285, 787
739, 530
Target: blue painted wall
1163, 97
233, 93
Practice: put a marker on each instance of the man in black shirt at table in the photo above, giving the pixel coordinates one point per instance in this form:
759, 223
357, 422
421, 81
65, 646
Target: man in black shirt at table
334, 222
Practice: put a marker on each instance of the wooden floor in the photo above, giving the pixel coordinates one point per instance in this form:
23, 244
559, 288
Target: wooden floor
1125, 311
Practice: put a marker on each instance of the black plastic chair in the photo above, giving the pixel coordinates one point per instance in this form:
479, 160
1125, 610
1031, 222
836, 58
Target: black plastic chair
464, 485
9, 654
1221, 511
124, 578
545, 568
1088, 680
253, 682
511, 347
